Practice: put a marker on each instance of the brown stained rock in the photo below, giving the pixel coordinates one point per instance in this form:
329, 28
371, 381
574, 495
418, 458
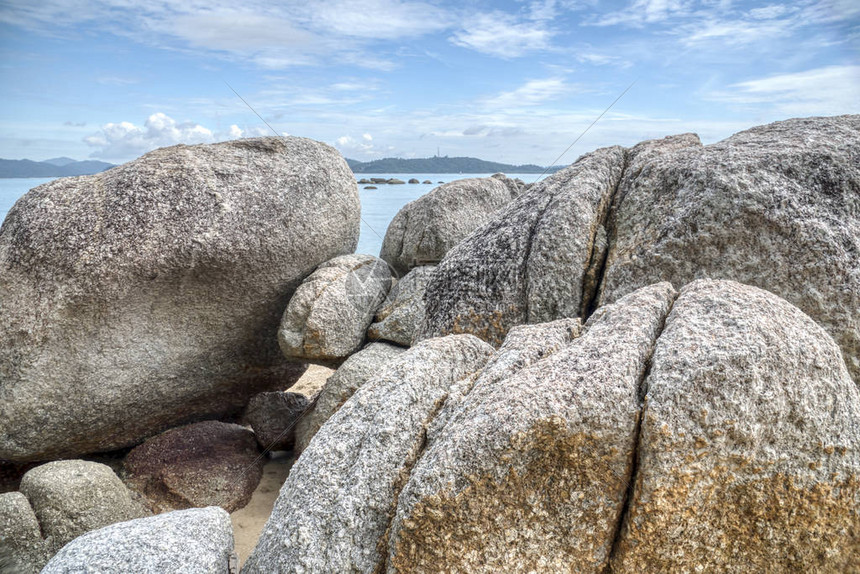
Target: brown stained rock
149, 295
531, 468
749, 456
202, 464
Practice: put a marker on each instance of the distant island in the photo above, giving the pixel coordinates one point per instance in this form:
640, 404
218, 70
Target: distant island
439, 164
55, 167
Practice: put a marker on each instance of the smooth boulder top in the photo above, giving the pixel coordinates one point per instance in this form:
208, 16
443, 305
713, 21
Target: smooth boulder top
339, 498
198, 540
327, 318
775, 206
154, 289
426, 228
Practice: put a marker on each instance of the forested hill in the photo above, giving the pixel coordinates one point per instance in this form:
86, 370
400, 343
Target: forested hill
57, 167
441, 165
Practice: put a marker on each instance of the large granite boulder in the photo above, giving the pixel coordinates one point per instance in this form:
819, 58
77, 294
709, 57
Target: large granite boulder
150, 294
775, 206
22, 548
327, 318
400, 317
273, 417
71, 497
529, 472
425, 229
340, 496
749, 451
195, 540
341, 385
202, 464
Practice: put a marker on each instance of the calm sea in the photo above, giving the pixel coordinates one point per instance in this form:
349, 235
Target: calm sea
378, 206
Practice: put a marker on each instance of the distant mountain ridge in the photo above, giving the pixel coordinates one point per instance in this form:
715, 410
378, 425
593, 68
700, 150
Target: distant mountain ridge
445, 164
56, 167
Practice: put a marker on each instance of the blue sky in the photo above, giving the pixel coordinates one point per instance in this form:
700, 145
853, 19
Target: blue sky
513, 81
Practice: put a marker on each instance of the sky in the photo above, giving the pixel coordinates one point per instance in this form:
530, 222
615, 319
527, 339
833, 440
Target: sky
513, 82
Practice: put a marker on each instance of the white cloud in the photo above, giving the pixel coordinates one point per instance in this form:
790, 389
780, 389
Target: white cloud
125, 140
235, 131
532, 93
502, 35
829, 90
367, 137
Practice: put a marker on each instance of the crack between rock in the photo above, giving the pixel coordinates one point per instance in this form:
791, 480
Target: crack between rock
524, 270
642, 391
606, 219
402, 479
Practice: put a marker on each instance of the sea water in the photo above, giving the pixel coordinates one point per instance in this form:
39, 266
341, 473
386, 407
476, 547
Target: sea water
378, 206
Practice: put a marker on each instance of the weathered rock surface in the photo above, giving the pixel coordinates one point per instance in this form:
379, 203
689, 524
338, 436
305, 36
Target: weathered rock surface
327, 318
531, 469
401, 316
273, 416
339, 387
22, 549
336, 505
776, 206
749, 456
527, 264
154, 289
425, 229
71, 497
202, 464
195, 540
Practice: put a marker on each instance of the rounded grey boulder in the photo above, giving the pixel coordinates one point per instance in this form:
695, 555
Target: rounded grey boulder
154, 290
71, 497
400, 317
327, 318
425, 229
194, 540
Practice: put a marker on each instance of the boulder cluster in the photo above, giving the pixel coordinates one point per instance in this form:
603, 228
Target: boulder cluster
648, 361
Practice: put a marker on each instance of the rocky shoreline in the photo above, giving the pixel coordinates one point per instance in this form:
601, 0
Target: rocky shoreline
648, 361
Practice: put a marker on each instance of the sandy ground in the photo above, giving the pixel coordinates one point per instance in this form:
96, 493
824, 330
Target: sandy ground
248, 522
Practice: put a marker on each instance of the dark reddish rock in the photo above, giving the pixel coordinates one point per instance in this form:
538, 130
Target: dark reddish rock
273, 416
202, 464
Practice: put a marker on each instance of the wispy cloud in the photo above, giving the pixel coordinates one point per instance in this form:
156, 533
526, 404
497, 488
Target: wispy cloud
642, 12
503, 35
822, 91
532, 93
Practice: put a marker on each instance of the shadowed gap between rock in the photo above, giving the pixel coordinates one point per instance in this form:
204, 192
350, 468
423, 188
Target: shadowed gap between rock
403, 478
591, 289
642, 391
